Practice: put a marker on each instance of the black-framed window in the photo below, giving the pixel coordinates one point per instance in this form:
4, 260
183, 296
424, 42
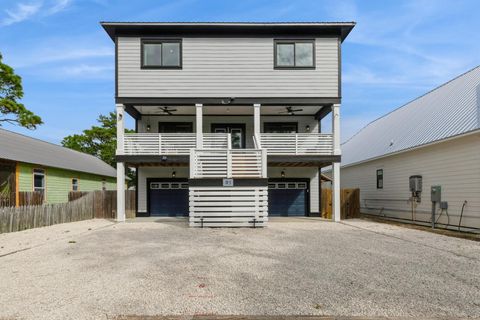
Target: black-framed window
294, 54
39, 180
175, 127
380, 179
74, 184
161, 54
280, 127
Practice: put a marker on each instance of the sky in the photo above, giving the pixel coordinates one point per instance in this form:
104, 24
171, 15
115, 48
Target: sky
398, 50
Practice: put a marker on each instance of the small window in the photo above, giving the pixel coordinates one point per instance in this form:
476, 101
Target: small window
74, 184
158, 54
294, 54
380, 179
104, 184
39, 180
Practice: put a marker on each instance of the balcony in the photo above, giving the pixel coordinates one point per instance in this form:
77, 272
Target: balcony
181, 143
296, 143
169, 143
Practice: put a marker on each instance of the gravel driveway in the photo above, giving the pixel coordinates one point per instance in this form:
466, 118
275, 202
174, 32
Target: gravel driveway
98, 269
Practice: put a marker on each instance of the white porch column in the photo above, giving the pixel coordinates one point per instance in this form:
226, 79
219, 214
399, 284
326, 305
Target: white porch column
120, 165
199, 124
256, 119
336, 165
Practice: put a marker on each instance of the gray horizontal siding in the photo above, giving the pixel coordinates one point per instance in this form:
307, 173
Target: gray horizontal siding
232, 67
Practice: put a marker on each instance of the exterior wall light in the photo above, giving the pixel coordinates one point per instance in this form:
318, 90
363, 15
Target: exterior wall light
282, 174
148, 128
174, 174
307, 128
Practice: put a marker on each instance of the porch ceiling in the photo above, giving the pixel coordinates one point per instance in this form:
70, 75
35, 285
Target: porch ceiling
227, 110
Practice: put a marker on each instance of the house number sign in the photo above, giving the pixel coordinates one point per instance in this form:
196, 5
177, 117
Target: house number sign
228, 182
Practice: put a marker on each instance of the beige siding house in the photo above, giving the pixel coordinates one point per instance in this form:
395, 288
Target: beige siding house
435, 138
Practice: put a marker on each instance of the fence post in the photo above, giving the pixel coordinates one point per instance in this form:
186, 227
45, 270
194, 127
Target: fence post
264, 163
159, 144
229, 163
296, 143
193, 164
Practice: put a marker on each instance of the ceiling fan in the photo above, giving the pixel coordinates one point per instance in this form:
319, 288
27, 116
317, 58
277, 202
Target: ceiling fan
291, 111
167, 110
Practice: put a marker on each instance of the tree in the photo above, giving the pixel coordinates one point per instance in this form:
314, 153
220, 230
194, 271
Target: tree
99, 141
11, 91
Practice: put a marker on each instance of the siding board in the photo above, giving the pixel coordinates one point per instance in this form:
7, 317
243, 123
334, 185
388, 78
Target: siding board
235, 67
454, 164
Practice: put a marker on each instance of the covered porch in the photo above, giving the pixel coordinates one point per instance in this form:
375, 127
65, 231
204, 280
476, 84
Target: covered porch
229, 141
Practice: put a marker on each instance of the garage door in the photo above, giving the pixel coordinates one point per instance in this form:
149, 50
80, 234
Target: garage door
168, 198
288, 198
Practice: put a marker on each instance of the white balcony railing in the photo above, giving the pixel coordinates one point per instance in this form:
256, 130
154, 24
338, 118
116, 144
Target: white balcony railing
296, 143
169, 143
228, 163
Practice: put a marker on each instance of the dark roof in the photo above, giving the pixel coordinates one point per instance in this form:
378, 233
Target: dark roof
21, 148
341, 29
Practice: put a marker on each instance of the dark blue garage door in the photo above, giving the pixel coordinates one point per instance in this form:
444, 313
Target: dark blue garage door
168, 198
287, 198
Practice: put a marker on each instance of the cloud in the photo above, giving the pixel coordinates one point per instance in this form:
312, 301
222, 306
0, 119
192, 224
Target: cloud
89, 71
58, 50
21, 12
58, 6
25, 11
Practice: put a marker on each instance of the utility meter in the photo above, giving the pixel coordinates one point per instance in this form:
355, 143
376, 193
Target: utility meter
436, 194
415, 184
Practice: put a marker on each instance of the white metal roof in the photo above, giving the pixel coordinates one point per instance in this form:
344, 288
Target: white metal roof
18, 147
451, 109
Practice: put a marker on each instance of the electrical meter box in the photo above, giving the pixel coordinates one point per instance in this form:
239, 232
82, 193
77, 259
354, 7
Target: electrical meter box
415, 184
436, 194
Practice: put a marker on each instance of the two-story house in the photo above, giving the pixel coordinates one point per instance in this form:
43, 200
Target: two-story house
228, 117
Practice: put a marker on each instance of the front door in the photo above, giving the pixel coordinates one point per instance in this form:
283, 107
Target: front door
237, 131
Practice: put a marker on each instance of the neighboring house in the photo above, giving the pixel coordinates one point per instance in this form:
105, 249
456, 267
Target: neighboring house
28, 164
228, 117
434, 138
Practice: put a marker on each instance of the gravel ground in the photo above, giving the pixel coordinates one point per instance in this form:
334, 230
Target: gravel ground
98, 270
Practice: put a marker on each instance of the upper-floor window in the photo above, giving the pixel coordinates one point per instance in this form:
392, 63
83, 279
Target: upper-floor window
380, 179
294, 54
159, 54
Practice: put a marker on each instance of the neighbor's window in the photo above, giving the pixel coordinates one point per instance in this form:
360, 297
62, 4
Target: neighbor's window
74, 184
380, 179
104, 184
39, 180
294, 54
161, 54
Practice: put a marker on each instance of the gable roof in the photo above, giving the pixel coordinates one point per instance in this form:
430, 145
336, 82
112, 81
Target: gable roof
18, 147
341, 29
449, 110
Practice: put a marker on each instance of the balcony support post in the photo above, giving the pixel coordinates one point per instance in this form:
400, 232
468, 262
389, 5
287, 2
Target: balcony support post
336, 165
336, 129
256, 120
120, 108
199, 124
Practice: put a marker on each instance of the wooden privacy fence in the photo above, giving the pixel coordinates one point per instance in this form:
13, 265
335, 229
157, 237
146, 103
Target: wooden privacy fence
24, 199
84, 206
105, 203
349, 203
28, 217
